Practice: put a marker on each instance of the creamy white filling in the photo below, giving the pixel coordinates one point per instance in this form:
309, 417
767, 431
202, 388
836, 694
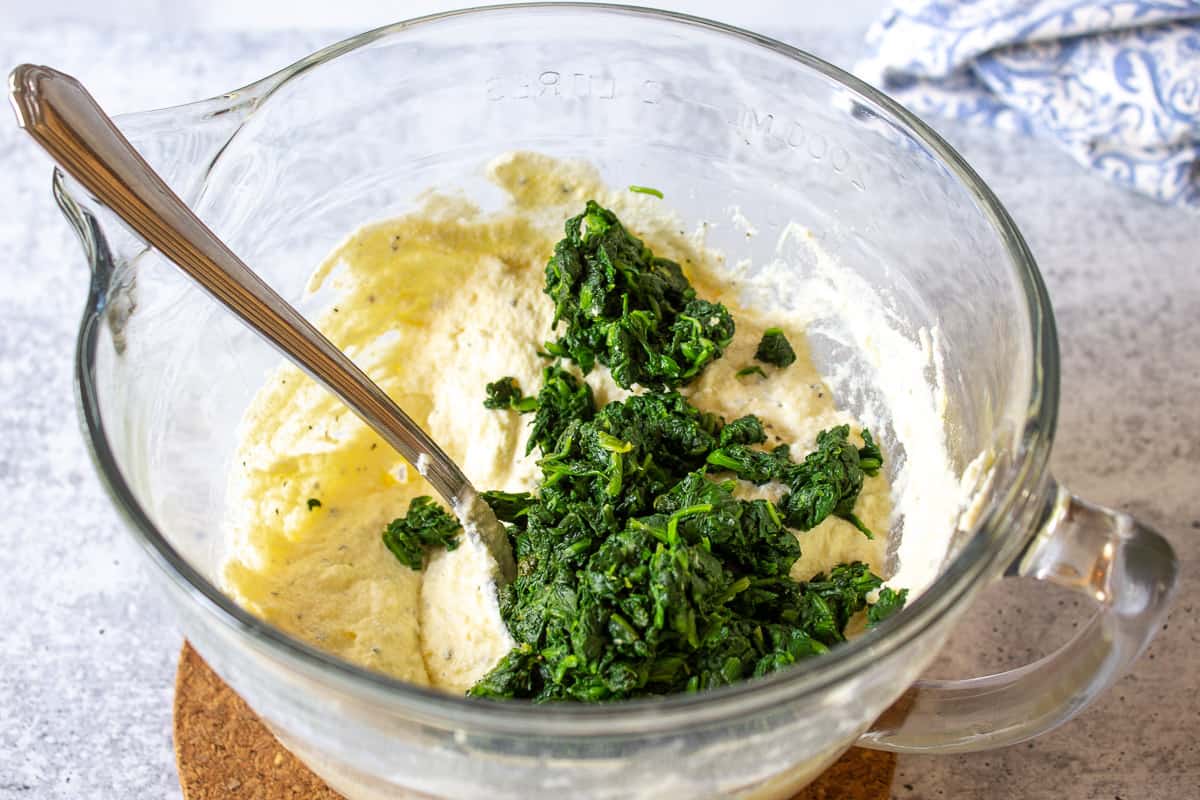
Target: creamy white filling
435, 305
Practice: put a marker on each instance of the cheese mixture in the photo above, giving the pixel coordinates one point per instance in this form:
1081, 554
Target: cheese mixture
433, 306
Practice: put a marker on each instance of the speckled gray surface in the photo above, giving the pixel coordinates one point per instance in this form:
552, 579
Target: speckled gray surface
87, 654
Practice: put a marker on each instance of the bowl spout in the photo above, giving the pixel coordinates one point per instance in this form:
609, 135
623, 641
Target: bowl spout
181, 144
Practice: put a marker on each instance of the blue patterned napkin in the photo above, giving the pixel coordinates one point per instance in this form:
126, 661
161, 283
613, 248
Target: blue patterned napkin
1116, 82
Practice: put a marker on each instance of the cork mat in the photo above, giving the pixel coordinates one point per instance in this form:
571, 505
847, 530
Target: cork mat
223, 751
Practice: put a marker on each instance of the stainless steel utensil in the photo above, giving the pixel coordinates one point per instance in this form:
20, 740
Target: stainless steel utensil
60, 114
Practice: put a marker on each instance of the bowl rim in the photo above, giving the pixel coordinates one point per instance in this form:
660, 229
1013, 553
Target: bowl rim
988, 542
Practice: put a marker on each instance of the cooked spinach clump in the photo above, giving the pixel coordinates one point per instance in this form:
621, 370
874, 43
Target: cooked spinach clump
753, 369
888, 603
506, 393
639, 570
774, 348
563, 399
638, 573
425, 525
627, 309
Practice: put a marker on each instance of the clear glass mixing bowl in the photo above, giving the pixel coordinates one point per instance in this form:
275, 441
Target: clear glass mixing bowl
285, 168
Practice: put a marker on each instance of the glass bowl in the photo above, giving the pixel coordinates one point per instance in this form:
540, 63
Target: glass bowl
716, 117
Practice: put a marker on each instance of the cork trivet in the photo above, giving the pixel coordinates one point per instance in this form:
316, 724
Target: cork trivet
224, 752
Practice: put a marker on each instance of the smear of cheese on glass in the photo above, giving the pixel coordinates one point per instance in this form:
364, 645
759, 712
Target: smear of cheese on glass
433, 306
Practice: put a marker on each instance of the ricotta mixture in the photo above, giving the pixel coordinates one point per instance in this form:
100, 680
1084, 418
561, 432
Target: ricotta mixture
433, 306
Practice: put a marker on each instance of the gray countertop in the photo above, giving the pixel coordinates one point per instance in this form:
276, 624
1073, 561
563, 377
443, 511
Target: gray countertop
87, 653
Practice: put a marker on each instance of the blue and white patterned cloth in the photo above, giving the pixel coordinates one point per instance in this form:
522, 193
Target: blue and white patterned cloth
1116, 82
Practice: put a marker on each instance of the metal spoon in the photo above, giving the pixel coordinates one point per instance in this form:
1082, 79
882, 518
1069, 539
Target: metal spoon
63, 118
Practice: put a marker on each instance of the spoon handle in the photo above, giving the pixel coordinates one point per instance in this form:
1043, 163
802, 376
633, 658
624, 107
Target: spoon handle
58, 112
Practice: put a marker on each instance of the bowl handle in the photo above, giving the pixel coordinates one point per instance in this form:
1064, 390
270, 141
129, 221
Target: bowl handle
1127, 569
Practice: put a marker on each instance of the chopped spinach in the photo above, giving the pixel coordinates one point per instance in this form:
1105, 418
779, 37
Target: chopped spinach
638, 569
627, 309
756, 466
870, 457
774, 348
753, 369
743, 430
425, 525
889, 603
650, 190
562, 399
826, 482
638, 573
508, 506
506, 393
